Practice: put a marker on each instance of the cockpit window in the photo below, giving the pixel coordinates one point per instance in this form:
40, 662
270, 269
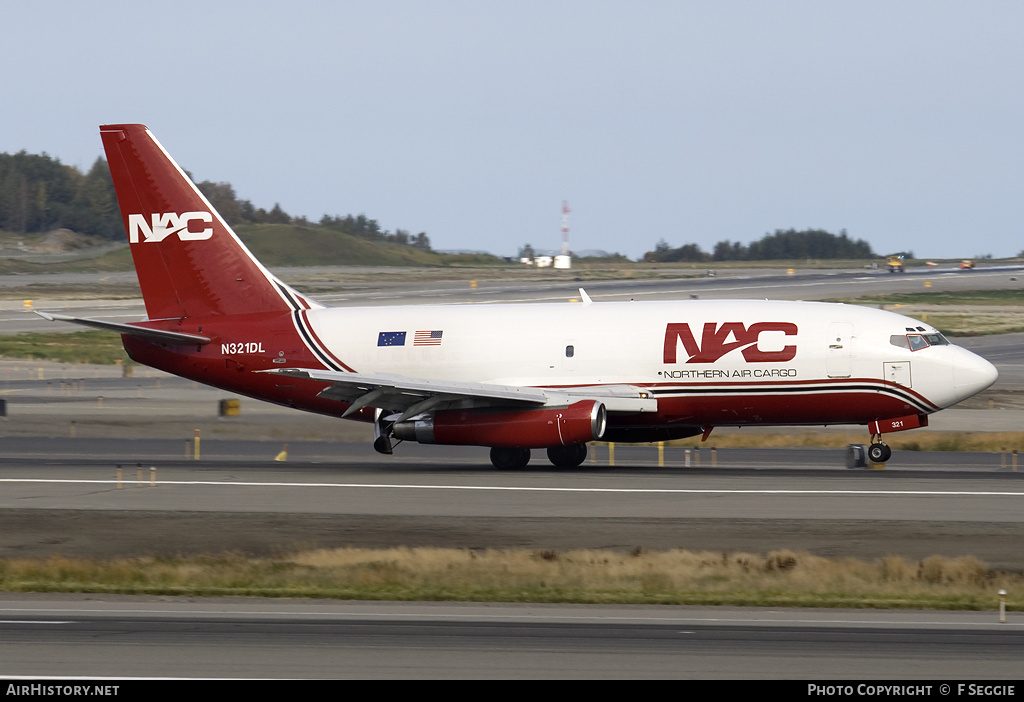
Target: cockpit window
917, 342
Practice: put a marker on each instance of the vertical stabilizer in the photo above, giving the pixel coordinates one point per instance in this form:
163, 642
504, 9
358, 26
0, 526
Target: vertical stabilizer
189, 262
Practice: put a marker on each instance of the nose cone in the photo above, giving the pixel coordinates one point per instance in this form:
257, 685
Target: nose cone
971, 374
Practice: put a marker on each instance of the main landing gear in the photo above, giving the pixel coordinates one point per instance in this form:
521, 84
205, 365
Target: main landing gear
504, 458
878, 452
570, 456
382, 430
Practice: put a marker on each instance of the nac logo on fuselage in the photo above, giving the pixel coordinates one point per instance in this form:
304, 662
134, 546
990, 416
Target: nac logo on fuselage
719, 339
162, 225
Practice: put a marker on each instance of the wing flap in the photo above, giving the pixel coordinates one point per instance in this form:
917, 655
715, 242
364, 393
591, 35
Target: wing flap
395, 392
619, 399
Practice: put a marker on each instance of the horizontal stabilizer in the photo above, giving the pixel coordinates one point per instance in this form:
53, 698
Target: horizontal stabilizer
168, 337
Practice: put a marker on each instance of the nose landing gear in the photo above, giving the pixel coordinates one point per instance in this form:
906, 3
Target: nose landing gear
878, 452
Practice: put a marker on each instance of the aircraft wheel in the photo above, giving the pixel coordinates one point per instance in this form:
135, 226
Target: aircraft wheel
504, 458
879, 453
567, 456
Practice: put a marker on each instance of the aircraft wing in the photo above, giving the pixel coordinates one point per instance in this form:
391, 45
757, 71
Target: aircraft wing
412, 396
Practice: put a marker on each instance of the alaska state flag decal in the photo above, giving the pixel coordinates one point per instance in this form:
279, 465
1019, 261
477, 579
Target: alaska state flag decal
391, 338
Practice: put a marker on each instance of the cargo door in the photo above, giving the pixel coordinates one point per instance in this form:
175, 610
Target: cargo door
839, 353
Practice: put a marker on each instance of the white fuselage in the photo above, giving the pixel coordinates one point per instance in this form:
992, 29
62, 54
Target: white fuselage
687, 349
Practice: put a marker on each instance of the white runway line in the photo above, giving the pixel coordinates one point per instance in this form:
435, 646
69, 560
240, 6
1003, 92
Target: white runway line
500, 488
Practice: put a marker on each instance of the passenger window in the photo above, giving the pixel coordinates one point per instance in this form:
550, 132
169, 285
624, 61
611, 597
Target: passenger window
569, 351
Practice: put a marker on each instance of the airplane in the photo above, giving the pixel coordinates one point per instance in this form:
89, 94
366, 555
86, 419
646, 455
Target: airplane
512, 377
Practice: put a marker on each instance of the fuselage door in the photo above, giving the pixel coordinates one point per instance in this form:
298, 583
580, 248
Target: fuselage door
897, 373
839, 354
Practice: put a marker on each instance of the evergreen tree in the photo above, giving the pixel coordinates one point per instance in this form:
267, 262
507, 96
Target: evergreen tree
39, 193
781, 245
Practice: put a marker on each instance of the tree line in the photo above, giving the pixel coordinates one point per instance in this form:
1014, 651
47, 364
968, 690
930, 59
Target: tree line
39, 194
783, 244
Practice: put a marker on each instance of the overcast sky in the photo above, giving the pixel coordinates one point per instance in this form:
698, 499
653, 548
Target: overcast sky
901, 122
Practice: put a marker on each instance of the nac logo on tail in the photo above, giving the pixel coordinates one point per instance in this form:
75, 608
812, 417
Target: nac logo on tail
719, 339
162, 225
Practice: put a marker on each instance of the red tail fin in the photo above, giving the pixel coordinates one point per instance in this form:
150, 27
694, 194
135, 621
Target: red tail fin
189, 262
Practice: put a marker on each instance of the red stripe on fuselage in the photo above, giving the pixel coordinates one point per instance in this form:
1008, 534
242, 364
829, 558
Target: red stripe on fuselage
827, 407
321, 347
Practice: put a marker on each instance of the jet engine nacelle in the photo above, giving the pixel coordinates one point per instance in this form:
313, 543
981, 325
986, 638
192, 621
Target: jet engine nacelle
533, 428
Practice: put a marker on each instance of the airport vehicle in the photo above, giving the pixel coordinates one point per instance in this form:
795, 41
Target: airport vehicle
512, 377
895, 263
966, 264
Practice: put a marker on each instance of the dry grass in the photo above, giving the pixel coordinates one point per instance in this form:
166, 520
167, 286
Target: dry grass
972, 323
778, 578
83, 347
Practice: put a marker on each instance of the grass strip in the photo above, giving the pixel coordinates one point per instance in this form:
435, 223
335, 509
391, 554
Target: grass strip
93, 347
781, 578
955, 297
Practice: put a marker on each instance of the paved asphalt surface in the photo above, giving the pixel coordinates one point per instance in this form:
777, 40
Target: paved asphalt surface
562, 286
143, 637
60, 445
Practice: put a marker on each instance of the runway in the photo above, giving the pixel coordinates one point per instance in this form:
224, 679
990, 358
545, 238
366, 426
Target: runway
332, 495
132, 637
68, 429
332, 287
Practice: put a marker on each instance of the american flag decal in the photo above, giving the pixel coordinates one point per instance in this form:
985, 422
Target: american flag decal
427, 338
